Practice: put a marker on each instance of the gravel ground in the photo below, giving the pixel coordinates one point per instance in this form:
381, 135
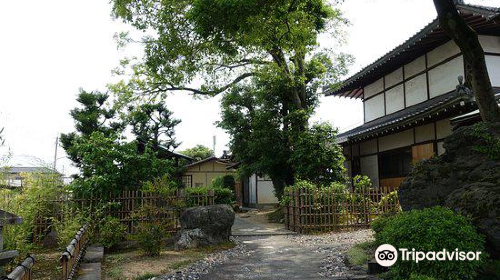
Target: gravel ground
195, 270
336, 246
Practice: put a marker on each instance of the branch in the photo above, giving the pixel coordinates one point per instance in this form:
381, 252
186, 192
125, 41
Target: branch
171, 87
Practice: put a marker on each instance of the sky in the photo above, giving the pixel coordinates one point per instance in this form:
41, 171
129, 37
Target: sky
50, 49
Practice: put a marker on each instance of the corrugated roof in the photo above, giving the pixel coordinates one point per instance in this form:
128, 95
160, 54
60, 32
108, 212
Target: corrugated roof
428, 38
28, 169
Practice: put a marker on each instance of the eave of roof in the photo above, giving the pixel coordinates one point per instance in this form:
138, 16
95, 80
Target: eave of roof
431, 36
212, 158
406, 118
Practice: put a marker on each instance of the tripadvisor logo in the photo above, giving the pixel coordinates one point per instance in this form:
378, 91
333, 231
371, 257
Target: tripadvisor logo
386, 255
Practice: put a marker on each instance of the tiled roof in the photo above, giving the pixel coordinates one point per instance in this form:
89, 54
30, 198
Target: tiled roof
405, 117
428, 38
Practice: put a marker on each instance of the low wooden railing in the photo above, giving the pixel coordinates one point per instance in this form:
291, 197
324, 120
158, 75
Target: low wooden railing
70, 259
23, 271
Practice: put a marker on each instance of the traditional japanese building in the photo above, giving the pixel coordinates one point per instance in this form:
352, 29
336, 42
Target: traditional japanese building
409, 96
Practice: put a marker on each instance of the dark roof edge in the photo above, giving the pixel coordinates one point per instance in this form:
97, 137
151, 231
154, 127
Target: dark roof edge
490, 11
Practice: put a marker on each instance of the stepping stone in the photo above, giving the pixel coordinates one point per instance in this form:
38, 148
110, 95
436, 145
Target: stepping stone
89, 271
94, 254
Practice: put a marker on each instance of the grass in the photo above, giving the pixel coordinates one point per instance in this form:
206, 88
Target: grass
133, 264
361, 253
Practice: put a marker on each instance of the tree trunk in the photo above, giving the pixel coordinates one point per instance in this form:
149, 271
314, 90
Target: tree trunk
475, 64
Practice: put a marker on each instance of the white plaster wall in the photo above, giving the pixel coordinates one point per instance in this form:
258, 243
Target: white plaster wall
394, 99
374, 108
374, 88
441, 53
440, 148
368, 147
424, 133
490, 43
266, 192
416, 90
394, 78
443, 128
251, 190
493, 64
369, 167
397, 140
415, 67
443, 78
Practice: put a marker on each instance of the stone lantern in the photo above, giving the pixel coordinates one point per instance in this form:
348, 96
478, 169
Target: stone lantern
7, 218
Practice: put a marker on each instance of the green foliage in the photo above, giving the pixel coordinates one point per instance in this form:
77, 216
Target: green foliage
68, 224
152, 229
489, 143
316, 157
421, 277
361, 181
432, 229
357, 254
111, 232
38, 198
381, 223
224, 196
152, 124
198, 152
264, 57
226, 181
163, 185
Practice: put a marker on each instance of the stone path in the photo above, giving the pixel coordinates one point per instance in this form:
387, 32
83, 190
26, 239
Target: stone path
91, 267
244, 226
271, 258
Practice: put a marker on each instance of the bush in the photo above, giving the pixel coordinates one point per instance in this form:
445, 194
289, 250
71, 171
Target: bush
380, 223
432, 229
111, 232
152, 229
224, 196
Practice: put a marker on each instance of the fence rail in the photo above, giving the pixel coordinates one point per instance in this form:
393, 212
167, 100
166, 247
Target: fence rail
310, 210
74, 252
23, 271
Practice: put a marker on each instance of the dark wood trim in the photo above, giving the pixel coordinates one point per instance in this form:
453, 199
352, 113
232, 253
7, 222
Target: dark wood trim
385, 104
491, 53
414, 136
404, 87
427, 78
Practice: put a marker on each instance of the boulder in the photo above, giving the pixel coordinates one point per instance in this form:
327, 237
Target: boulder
466, 178
204, 226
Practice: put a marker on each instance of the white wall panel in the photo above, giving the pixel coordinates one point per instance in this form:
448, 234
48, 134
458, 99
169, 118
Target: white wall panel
415, 67
394, 99
374, 108
368, 147
490, 43
493, 64
424, 133
416, 90
443, 128
266, 192
441, 53
374, 88
443, 78
394, 78
369, 167
440, 148
397, 140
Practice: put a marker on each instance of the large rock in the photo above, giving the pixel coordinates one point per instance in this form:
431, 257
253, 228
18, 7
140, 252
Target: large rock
204, 226
466, 178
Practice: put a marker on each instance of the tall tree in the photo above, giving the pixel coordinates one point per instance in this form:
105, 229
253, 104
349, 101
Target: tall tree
475, 64
93, 115
239, 45
198, 152
153, 124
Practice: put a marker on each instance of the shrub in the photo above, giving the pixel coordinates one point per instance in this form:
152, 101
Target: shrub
224, 196
380, 223
432, 229
152, 229
111, 232
229, 182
